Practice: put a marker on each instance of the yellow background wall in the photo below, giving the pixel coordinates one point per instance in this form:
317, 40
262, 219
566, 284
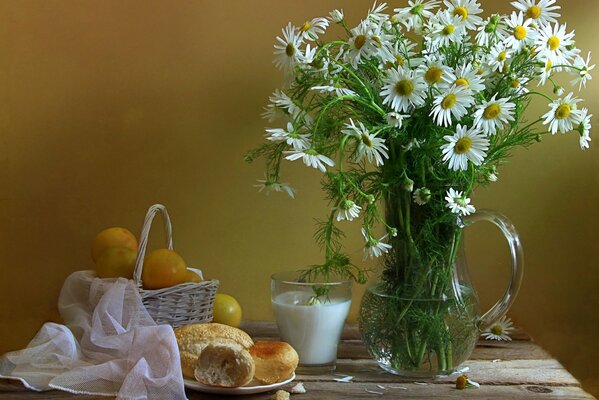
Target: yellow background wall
107, 107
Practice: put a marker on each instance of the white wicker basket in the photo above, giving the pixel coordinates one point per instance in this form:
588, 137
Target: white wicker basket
186, 303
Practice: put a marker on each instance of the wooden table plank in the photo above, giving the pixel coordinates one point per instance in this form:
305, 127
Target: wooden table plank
522, 371
515, 372
357, 391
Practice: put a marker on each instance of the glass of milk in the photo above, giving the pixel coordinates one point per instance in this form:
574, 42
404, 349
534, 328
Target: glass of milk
310, 314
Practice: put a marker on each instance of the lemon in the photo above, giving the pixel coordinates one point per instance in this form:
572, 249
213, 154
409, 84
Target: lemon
226, 310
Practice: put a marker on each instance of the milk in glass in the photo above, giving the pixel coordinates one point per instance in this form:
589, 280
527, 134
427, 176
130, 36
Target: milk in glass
312, 328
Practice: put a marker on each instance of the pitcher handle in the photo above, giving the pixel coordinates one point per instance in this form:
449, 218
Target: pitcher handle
517, 258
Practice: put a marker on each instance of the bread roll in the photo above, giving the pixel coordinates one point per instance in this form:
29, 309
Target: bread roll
192, 339
275, 361
224, 363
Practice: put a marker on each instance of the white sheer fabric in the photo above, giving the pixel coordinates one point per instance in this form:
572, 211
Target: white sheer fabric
109, 346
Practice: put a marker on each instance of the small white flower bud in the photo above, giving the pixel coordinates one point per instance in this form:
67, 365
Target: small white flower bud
336, 16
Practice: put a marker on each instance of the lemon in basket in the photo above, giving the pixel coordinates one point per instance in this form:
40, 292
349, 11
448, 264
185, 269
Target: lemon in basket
116, 262
113, 237
226, 310
163, 268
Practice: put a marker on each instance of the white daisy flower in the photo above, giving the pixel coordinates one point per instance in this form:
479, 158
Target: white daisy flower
333, 87
311, 158
553, 43
563, 115
499, 330
280, 105
421, 196
541, 11
521, 32
458, 203
414, 15
376, 12
402, 54
374, 248
492, 115
268, 186
287, 51
403, 89
434, 70
581, 69
545, 72
368, 144
290, 136
584, 128
464, 145
311, 30
395, 119
468, 10
348, 210
492, 31
367, 40
454, 101
465, 76
445, 28
336, 16
518, 84
498, 57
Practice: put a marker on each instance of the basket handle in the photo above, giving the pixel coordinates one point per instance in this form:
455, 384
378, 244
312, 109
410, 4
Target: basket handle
143, 238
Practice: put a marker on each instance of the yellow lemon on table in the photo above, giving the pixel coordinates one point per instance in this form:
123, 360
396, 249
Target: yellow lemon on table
116, 262
113, 237
226, 310
163, 268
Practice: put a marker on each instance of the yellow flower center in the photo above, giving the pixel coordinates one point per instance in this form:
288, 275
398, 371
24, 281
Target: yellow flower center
496, 330
515, 84
405, 87
462, 82
492, 111
548, 66
399, 59
502, 56
305, 27
480, 71
433, 75
462, 12
290, 50
563, 111
377, 40
389, 65
553, 43
366, 140
533, 12
520, 32
449, 101
463, 145
359, 41
448, 30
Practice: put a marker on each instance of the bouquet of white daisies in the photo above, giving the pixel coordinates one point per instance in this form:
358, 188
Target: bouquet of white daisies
410, 111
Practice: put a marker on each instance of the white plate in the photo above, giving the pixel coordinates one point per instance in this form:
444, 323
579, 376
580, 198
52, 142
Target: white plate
195, 385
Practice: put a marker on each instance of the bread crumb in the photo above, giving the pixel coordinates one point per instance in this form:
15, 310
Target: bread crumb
280, 395
299, 388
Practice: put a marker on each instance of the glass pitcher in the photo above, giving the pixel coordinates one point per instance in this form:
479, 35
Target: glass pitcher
428, 324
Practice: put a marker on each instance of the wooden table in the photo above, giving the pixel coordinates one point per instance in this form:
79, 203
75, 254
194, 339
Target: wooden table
506, 370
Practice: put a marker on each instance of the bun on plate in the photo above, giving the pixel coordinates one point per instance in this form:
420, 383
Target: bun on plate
192, 339
224, 363
275, 361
